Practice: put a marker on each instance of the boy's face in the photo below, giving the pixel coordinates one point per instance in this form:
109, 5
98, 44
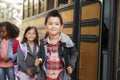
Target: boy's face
54, 26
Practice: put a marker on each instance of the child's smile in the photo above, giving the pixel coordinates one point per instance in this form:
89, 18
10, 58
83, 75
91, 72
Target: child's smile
53, 25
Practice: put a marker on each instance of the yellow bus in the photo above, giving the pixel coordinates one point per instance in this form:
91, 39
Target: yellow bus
88, 23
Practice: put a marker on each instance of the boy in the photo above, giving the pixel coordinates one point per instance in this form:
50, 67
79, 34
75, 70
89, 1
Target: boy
57, 53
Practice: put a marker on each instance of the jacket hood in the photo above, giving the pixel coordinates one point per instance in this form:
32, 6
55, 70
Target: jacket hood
66, 39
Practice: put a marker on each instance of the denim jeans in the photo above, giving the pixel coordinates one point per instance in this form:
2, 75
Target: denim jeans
7, 73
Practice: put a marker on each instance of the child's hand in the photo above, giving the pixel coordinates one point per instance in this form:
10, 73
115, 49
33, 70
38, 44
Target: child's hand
6, 59
37, 62
29, 72
69, 70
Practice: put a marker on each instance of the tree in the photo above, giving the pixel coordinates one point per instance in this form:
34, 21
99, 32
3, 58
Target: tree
10, 11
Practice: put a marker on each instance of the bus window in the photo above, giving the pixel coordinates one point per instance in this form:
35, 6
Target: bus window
41, 6
30, 9
50, 4
35, 7
25, 9
62, 2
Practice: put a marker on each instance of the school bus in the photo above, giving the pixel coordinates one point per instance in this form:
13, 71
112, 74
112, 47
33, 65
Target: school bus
94, 27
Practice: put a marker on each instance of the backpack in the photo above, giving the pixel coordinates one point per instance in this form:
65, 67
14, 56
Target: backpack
15, 45
16, 67
24, 49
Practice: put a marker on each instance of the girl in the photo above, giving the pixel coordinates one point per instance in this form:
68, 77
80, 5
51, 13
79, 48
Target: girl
56, 52
8, 48
27, 54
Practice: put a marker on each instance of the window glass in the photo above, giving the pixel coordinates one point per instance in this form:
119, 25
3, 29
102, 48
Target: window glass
62, 2
41, 6
25, 9
35, 7
30, 7
50, 4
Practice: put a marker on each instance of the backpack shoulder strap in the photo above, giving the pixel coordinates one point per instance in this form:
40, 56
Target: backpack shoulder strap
42, 43
15, 45
42, 48
24, 49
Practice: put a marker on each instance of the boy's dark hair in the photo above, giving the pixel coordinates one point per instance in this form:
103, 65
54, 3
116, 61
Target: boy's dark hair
26, 30
12, 29
53, 13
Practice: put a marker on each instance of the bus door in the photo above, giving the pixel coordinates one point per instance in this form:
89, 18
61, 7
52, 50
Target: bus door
90, 41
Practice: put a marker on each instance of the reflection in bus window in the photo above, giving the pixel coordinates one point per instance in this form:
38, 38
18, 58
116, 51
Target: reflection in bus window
62, 2
30, 12
41, 6
50, 4
35, 7
25, 9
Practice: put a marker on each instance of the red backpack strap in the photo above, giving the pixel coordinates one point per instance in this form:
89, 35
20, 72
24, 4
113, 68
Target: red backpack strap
15, 46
